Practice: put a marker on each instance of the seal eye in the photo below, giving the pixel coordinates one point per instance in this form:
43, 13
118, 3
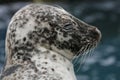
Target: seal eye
68, 27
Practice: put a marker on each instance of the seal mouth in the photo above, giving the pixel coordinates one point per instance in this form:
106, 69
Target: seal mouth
86, 49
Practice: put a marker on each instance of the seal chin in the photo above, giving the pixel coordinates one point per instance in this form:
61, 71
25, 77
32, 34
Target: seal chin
66, 53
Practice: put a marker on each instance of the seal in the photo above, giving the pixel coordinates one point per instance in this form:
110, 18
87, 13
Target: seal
41, 42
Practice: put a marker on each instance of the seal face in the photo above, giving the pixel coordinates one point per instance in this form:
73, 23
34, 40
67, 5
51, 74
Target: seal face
51, 27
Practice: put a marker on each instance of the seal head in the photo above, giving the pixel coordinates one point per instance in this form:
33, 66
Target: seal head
50, 27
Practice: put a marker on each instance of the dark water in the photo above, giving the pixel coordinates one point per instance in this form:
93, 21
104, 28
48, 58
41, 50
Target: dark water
104, 64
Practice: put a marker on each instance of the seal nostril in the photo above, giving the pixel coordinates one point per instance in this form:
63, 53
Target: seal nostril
99, 33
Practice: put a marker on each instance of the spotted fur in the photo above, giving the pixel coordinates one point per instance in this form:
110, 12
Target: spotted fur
41, 41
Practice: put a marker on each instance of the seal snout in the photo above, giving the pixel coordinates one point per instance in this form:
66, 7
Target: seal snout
95, 33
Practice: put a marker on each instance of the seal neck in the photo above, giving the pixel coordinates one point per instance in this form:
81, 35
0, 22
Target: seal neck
46, 63
53, 63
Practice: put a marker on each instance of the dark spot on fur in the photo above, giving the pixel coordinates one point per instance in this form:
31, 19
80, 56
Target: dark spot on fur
44, 72
14, 35
18, 57
44, 68
52, 69
54, 56
53, 24
68, 69
24, 39
16, 49
43, 41
46, 62
29, 43
17, 42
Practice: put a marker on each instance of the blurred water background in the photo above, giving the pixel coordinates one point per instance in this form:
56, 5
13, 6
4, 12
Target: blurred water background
104, 64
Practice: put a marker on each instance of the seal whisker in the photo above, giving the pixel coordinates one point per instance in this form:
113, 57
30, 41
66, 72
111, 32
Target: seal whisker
85, 56
82, 61
81, 54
